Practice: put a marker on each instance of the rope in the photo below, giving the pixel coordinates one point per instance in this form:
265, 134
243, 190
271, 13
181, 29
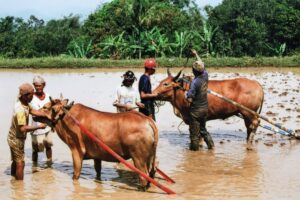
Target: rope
179, 126
158, 104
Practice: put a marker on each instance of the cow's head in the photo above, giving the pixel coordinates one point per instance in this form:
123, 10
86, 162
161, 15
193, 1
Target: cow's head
165, 89
55, 110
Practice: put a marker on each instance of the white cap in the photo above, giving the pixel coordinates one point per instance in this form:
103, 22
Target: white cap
198, 66
38, 79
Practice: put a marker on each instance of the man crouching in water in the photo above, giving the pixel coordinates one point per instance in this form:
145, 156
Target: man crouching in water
19, 127
197, 96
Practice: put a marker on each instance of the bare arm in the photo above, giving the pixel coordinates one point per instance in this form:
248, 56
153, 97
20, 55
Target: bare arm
148, 96
27, 128
37, 113
119, 105
196, 54
140, 105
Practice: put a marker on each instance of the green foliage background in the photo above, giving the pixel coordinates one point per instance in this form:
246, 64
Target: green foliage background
137, 29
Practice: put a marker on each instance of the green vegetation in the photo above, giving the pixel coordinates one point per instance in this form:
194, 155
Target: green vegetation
249, 31
70, 62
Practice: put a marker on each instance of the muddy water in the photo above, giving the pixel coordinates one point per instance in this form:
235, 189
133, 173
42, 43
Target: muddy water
271, 171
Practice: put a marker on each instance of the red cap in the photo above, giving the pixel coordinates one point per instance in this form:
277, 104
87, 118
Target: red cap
150, 63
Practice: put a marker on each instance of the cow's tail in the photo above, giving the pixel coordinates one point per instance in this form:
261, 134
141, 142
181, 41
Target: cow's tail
153, 159
262, 101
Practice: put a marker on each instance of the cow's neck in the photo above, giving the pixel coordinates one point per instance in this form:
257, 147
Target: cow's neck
181, 104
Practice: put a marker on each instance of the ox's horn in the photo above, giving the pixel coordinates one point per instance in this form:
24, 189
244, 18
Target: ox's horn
177, 76
169, 73
68, 107
61, 96
51, 100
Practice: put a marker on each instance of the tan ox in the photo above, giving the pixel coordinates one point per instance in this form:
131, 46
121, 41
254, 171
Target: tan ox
129, 134
241, 90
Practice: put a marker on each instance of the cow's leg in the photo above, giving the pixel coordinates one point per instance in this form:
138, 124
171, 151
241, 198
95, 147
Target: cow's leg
151, 166
141, 164
251, 123
97, 165
201, 141
77, 163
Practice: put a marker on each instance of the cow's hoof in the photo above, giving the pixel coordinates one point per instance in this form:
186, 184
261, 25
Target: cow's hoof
75, 178
143, 188
49, 163
98, 178
250, 148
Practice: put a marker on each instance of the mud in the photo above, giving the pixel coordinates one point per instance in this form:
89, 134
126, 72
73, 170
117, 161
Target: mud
270, 171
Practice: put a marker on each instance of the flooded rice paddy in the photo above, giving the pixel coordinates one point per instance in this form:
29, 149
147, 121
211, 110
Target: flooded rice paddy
271, 171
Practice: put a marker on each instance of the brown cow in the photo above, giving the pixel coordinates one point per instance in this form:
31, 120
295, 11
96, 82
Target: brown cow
241, 90
129, 134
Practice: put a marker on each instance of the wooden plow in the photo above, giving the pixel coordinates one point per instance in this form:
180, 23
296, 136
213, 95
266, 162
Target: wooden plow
284, 131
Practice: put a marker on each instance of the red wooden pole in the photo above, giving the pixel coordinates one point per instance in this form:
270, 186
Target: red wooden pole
164, 175
109, 150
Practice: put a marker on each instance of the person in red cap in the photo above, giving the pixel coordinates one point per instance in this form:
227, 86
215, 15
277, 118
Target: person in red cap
19, 127
147, 97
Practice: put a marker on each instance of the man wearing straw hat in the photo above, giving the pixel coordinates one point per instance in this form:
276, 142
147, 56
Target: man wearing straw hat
197, 96
41, 138
19, 127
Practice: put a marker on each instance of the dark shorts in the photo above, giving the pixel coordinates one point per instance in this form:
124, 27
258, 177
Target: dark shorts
148, 110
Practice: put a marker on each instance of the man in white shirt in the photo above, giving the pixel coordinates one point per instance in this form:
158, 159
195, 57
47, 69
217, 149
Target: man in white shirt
41, 138
127, 97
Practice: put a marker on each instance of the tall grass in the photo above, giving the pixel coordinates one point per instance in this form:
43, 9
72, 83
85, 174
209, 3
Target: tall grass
70, 62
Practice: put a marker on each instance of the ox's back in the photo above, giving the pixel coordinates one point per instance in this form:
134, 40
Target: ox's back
120, 131
241, 90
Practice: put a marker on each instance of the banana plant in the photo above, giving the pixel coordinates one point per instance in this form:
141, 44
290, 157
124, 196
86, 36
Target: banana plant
132, 48
278, 50
79, 49
159, 43
207, 37
113, 46
182, 41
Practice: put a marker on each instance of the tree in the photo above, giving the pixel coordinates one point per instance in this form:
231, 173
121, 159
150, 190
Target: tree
250, 25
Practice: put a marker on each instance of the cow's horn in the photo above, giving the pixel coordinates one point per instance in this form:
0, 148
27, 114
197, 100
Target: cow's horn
61, 97
177, 76
169, 73
51, 100
69, 105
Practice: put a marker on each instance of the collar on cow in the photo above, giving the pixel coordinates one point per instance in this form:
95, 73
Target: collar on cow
65, 111
181, 81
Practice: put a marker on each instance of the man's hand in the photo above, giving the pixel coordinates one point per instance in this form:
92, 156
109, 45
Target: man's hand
155, 94
42, 126
194, 52
140, 105
115, 103
128, 107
